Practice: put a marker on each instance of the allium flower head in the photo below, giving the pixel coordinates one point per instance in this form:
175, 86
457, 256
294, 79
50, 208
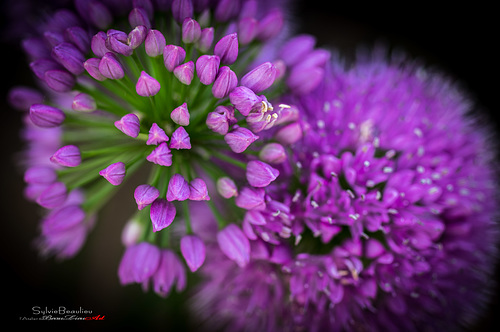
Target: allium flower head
382, 217
163, 88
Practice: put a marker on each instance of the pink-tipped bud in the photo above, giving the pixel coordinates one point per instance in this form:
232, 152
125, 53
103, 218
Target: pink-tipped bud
260, 78
273, 153
145, 195
146, 85
180, 115
154, 43
137, 36
227, 49
191, 30
244, 99
156, 135
185, 72
83, 103
234, 244
198, 190
46, 116
193, 251
129, 124
226, 187
207, 67
180, 139
162, 214
178, 188
289, 134
206, 39
59, 80
68, 156
173, 56
161, 155
114, 173
53, 196
92, 67
110, 67
225, 82
239, 139
259, 174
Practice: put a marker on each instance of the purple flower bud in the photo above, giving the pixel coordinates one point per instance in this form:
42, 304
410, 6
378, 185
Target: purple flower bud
315, 58
156, 135
249, 9
147, 86
173, 56
259, 174
180, 139
225, 82
191, 30
226, 187
53, 37
138, 17
35, 47
161, 155
226, 10
129, 124
180, 115
63, 219
117, 41
280, 69
185, 72
139, 263
41, 66
46, 116
273, 153
155, 43
178, 188
207, 67
22, 97
247, 30
234, 244
162, 214
198, 190
254, 217
220, 119
99, 14
260, 78
68, 155
69, 57
40, 175
206, 39
78, 37
296, 49
83, 103
169, 271
145, 195
303, 80
227, 49
114, 173
59, 80
289, 134
239, 139
137, 36
193, 251
182, 9
270, 26
110, 67
92, 67
98, 44
144, 4
244, 99
131, 233
251, 198
53, 196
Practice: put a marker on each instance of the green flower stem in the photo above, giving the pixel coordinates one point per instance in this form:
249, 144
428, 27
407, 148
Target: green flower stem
154, 175
89, 135
228, 159
221, 222
104, 100
110, 149
87, 121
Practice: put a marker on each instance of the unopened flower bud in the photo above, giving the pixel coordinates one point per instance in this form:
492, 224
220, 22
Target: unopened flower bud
154, 43
117, 41
53, 196
296, 49
40, 175
138, 17
182, 9
161, 155
247, 30
98, 44
178, 188
185, 72
180, 139
225, 82
289, 134
173, 56
129, 124
270, 26
191, 31
78, 37
114, 173
46, 116
259, 174
220, 119
226, 187
83, 103
92, 67
234, 244
198, 190
244, 99
251, 198
40, 66
260, 78
137, 36
110, 67
22, 97
207, 67
69, 57
273, 153
193, 251
227, 49
156, 135
145, 195
147, 86
206, 38
59, 80
180, 115
162, 214
131, 233
239, 139
68, 156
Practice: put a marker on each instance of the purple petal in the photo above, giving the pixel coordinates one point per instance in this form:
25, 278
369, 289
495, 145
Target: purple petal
234, 244
156, 135
161, 155
180, 115
198, 190
259, 174
68, 155
193, 251
129, 125
162, 214
145, 195
114, 173
178, 188
180, 139
146, 85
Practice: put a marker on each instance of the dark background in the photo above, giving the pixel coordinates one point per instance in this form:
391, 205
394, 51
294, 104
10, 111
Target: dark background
459, 40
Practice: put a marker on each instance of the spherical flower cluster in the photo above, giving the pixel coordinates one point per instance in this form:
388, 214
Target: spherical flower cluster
382, 217
172, 89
